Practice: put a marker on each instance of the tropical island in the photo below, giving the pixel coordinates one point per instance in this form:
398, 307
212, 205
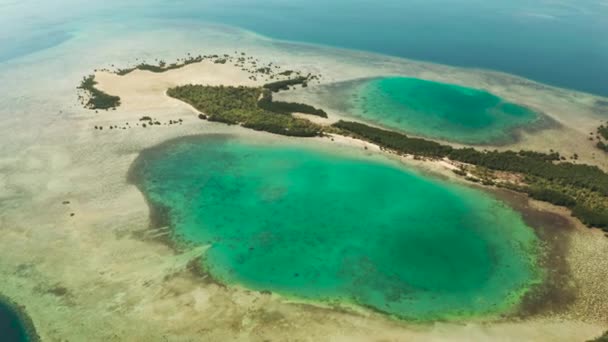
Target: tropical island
171, 151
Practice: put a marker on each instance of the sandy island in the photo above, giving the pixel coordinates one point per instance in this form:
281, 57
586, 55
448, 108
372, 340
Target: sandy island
107, 276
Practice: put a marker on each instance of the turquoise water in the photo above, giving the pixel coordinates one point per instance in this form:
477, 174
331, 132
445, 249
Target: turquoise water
439, 110
340, 228
11, 327
553, 42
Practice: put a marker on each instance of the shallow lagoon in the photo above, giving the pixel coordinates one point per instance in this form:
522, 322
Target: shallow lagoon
438, 110
345, 228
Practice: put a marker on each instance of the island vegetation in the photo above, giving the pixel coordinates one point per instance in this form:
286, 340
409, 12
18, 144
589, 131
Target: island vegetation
240, 105
285, 84
97, 99
603, 338
162, 65
602, 137
267, 103
248, 64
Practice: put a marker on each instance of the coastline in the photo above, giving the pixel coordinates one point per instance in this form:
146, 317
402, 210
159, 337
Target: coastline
133, 286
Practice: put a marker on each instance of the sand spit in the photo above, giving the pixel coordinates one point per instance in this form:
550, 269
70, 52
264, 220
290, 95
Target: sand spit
101, 275
145, 91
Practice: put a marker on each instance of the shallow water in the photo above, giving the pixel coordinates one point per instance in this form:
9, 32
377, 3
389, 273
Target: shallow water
11, 327
438, 110
341, 228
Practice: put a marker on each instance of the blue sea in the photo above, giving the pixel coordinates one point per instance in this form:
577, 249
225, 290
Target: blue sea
561, 43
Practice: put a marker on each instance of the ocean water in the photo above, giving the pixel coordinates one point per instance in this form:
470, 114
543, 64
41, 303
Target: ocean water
11, 327
340, 228
554, 42
438, 110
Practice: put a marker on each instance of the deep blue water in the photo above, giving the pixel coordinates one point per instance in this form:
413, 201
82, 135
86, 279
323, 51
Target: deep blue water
558, 43
553, 43
11, 327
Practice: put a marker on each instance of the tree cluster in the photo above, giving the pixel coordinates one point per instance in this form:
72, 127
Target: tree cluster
239, 105
285, 84
163, 66
602, 133
97, 98
267, 103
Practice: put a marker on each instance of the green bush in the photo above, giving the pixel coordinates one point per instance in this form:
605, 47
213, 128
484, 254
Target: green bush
97, 98
284, 85
268, 104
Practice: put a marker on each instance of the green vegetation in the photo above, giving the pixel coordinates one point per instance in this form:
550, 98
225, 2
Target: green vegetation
602, 133
162, 66
550, 195
97, 98
395, 141
285, 84
268, 104
582, 188
239, 105
603, 338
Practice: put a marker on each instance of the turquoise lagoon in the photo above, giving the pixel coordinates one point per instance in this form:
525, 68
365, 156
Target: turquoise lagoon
438, 110
340, 227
